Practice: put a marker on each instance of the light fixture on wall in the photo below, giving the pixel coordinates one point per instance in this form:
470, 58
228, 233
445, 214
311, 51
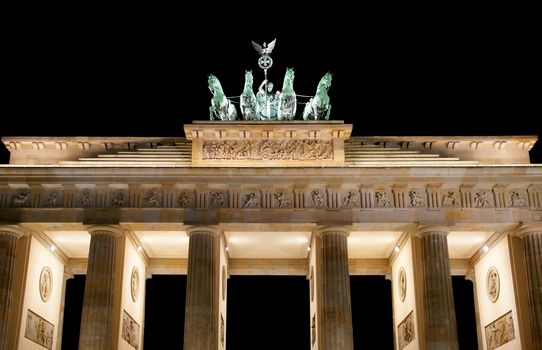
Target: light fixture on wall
309, 249
227, 248
485, 249
397, 249
52, 248
139, 248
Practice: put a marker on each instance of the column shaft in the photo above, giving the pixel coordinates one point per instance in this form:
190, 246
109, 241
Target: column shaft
438, 300
8, 245
336, 308
201, 313
97, 318
532, 245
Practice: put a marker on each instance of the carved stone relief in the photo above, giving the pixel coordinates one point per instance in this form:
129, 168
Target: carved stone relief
134, 283
402, 283
406, 331
218, 199
46, 283
517, 199
382, 199
493, 284
21, 199
186, 199
318, 198
451, 199
39, 330
481, 199
351, 199
130, 330
416, 199
151, 198
251, 199
500, 331
268, 150
118, 198
283, 200
86, 199
52, 200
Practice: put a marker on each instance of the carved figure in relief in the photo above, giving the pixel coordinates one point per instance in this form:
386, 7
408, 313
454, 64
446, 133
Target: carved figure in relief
119, 198
185, 200
382, 199
415, 199
51, 200
480, 198
85, 199
517, 199
318, 198
450, 200
351, 199
251, 200
217, 200
283, 200
151, 198
21, 199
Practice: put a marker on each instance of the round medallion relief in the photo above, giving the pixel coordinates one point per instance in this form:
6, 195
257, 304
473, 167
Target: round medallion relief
311, 281
224, 278
134, 283
493, 284
402, 283
46, 283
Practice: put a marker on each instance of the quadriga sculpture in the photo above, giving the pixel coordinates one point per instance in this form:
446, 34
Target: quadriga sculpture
248, 99
318, 107
287, 105
221, 108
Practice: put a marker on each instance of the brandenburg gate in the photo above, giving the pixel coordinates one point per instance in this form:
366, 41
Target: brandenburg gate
270, 197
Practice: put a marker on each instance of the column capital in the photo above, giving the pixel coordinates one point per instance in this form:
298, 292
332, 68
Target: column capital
423, 230
341, 229
12, 230
527, 230
107, 229
213, 230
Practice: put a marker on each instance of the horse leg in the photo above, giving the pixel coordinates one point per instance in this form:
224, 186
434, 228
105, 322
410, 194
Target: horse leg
328, 111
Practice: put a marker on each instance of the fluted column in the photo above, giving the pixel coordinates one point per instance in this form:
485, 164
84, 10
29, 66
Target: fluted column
202, 295
97, 326
335, 305
437, 294
532, 247
8, 246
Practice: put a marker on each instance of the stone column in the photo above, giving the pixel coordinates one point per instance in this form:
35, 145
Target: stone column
202, 295
335, 307
437, 294
97, 320
532, 247
8, 246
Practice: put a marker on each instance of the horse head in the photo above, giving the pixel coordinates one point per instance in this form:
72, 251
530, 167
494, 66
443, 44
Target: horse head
214, 85
288, 79
249, 79
325, 82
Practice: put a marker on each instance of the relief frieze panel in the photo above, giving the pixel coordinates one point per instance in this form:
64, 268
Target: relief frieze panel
264, 197
300, 150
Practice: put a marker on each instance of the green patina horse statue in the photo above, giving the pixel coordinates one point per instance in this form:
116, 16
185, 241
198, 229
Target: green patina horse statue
248, 99
287, 104
221, 108
318, 107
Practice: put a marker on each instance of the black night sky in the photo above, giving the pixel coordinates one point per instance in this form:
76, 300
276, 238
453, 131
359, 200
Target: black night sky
140, 73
